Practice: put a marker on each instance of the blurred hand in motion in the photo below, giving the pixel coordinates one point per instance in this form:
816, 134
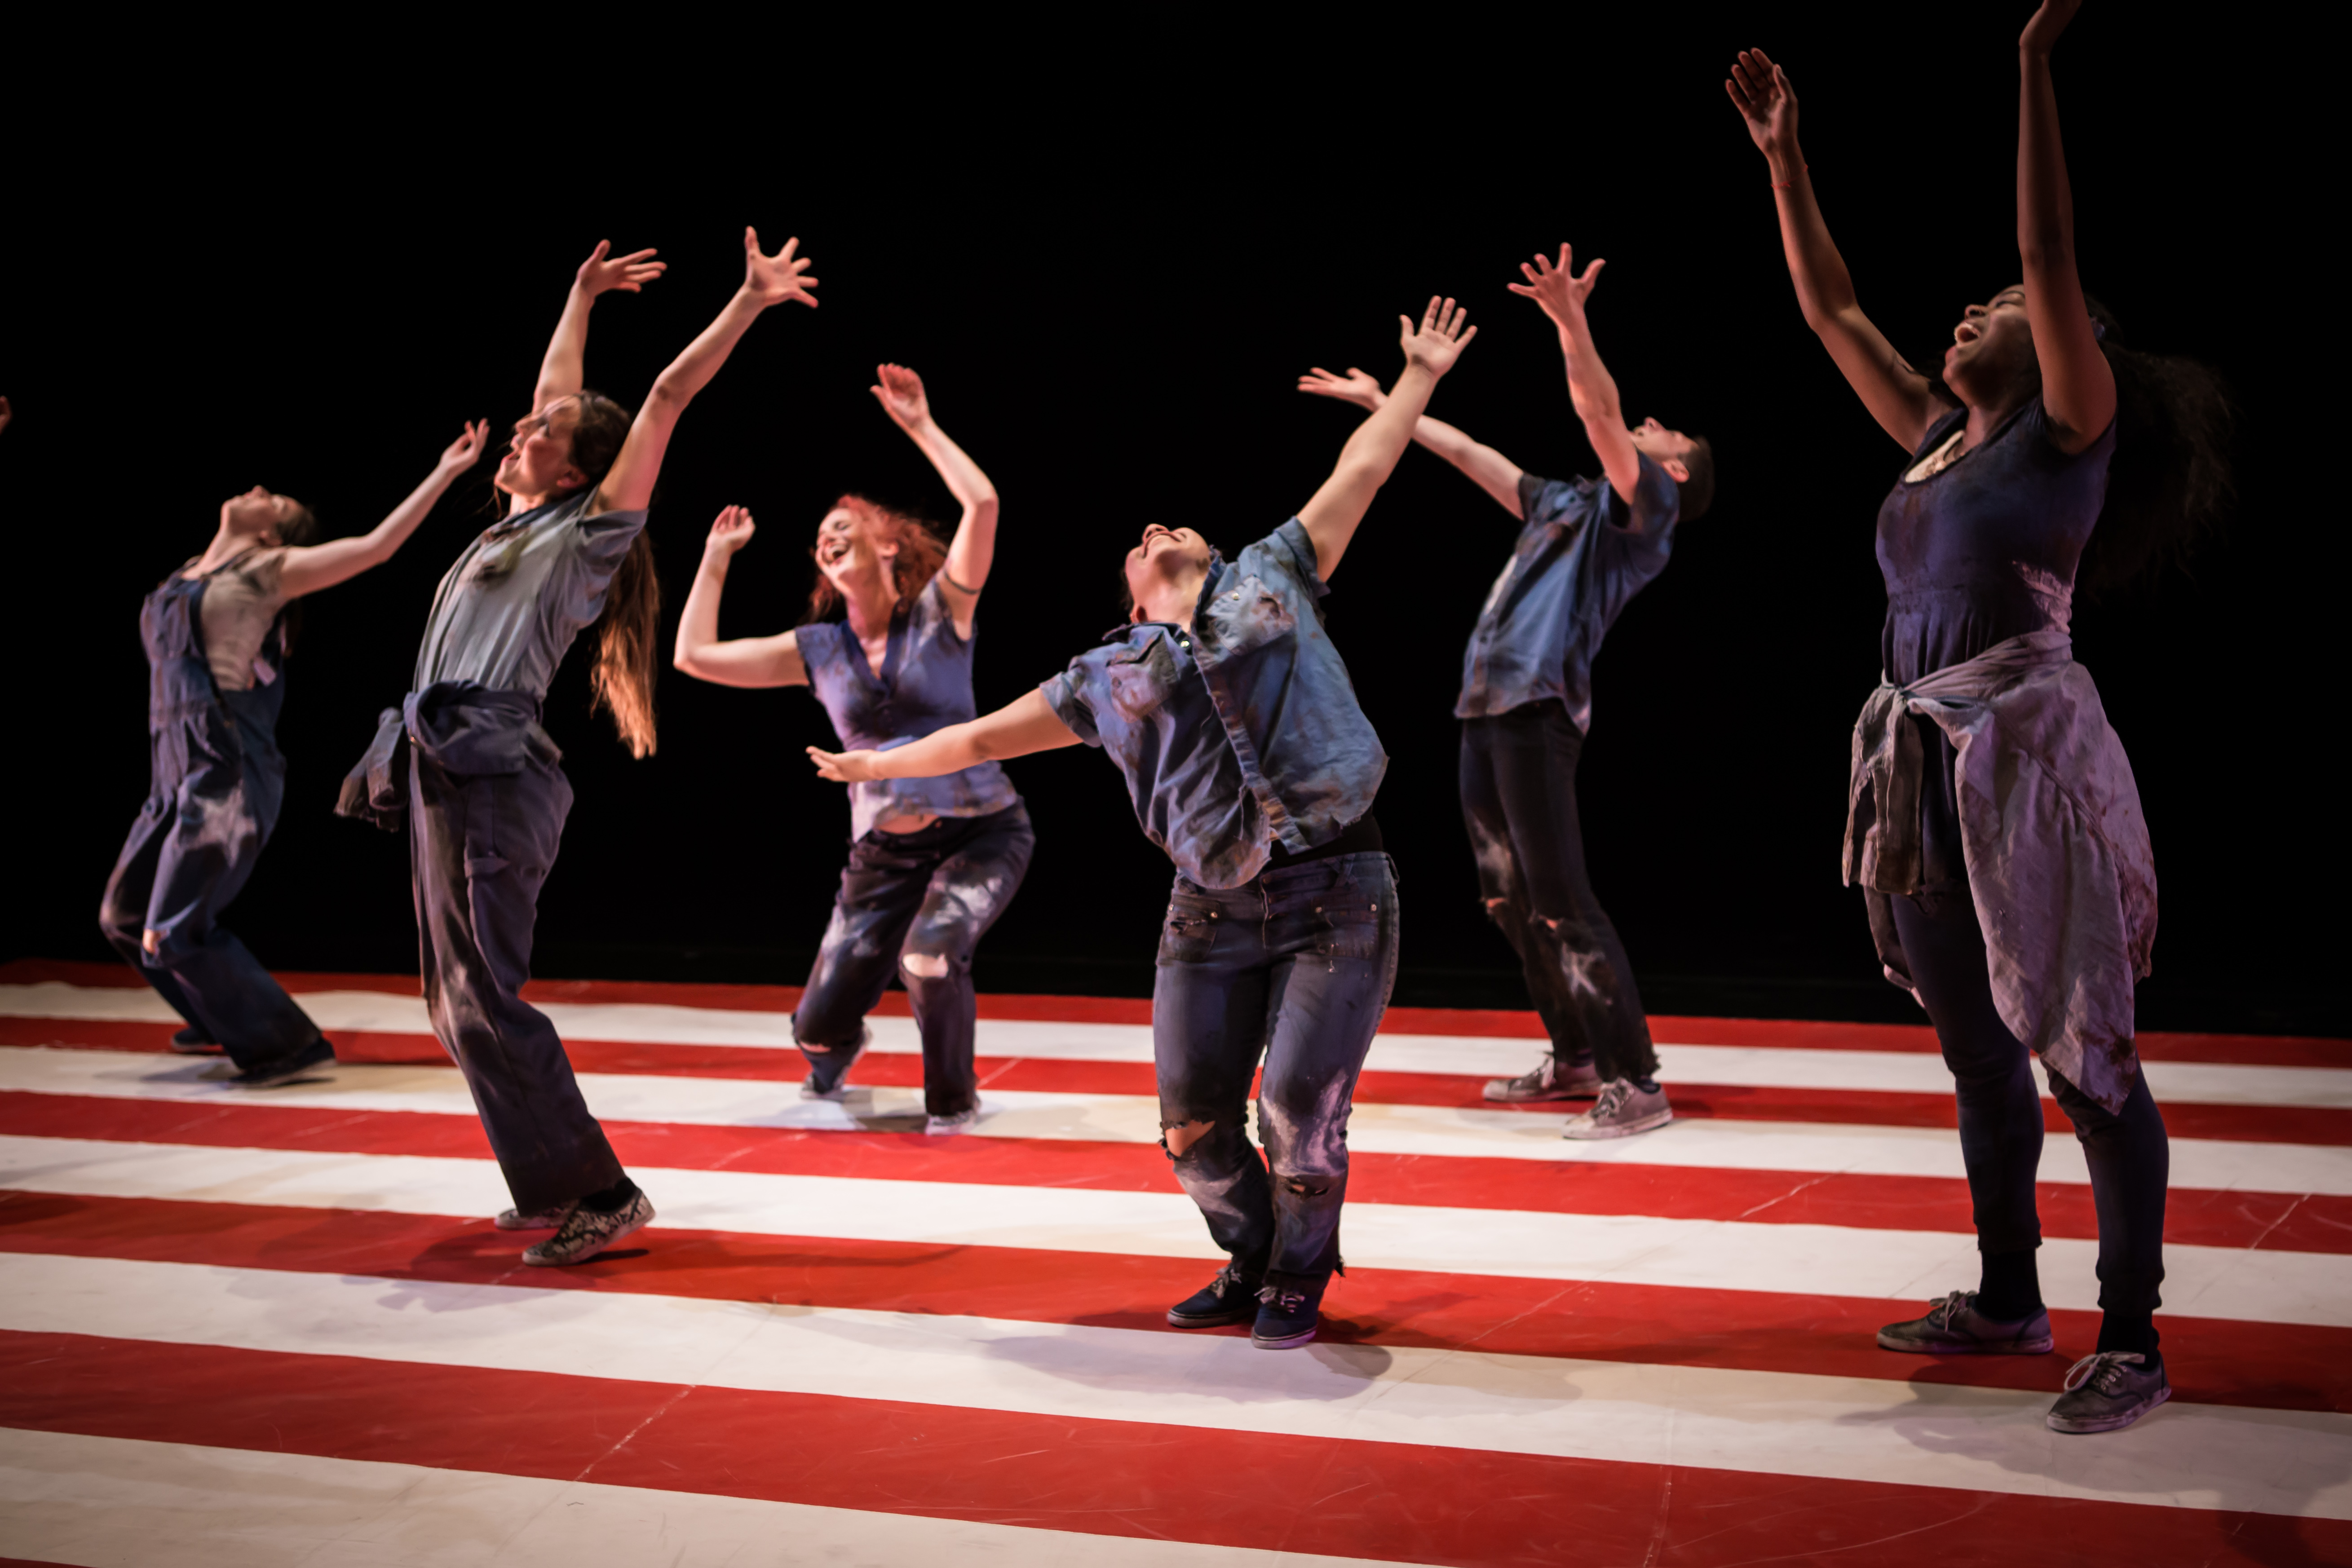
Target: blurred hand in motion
843, 767
1354, 387
604, 272
2041, 32
729, 532
467, 450
900, 394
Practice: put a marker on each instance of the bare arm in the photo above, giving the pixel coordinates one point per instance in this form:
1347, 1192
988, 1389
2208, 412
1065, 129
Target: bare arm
312, 567
1902, 401
743, 661
767, 280
973, 549
1591, 390
1024, 725
1333, 512
1489, 469
2078, 386
564, 369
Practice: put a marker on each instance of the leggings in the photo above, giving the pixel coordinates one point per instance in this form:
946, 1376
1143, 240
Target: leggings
1518, 800
2000, 1122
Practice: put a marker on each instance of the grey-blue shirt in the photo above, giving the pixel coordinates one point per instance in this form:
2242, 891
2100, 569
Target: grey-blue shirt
506, 613
1581, 554
925, 684
1244, 732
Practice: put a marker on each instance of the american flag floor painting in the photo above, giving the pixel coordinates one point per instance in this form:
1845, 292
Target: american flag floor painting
277, 1328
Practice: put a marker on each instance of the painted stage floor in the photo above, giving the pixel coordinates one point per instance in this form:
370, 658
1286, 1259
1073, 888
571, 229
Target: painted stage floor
277, 1328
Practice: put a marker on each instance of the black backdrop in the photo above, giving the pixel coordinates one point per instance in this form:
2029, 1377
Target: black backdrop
1110, 257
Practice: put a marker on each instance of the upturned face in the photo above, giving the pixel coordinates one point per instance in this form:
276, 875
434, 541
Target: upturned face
1670, 449
851, 546
259, 514
1163, 556
1992, 349
538, 460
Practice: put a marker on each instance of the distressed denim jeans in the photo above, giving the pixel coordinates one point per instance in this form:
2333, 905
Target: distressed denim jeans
1294, 967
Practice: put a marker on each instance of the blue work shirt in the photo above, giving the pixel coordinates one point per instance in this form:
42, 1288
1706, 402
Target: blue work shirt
925, 684
1241, 733
1579, 559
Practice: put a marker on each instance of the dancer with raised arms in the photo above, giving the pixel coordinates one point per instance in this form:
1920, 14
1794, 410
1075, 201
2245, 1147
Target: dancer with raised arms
218, 633
481, 788
1585, 548
886, 646
1994, 823
1249, 760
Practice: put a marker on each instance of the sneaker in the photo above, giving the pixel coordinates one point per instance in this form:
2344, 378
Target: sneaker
837, 1086
1623, 1109
949, 1126
545, 1219
2108, 1390
1286, 1315
1230, 1297
1547, 1080
194, 1042
308, 1062
1953, 1326
584, 1233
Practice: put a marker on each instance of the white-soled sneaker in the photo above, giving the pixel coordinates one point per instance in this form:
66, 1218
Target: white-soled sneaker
2108, 1390
584, 1233
1547, 1080
544, 1219
949, 1126
1623, 1109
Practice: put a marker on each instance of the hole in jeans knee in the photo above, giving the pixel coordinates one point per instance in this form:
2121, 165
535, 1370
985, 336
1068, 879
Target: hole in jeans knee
1182, 1137
1301, 1187
925, 966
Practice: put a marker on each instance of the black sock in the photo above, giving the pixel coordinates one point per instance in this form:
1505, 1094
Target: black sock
2123, 1332
613, 1199
1646, 1085
2011, 1288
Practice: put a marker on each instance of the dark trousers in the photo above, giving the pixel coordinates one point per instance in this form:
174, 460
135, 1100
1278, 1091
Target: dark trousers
2000, 1122
1519, 801
916, 904
479, 848
212, 802
1296, 967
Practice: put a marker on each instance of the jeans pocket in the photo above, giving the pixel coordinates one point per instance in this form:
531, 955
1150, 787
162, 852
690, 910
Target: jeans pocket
1189, 932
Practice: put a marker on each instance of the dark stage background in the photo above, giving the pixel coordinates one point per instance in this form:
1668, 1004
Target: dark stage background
1109, 258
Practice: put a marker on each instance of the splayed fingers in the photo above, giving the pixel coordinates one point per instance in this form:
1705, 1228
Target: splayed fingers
773, 279
629, 274
1445, 332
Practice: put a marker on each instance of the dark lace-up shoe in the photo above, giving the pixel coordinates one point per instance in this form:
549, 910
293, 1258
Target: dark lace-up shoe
1549, 1078
1953, 1326
1287, 1314
194, 1042
313, 1061
2107, 1391
1230, 1297
584, 1233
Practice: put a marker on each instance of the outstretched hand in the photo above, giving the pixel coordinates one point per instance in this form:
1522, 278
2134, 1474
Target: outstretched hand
1557, 287
2041, 32
1760, 91
773, 279
843, 767
900, 394
467, 450
729, 532
629, 273
1440, 339
1354, 387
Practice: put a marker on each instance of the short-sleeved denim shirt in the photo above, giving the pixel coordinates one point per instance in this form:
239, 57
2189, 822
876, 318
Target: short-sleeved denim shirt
925, 684
507, 612
1241, 734
1579, 559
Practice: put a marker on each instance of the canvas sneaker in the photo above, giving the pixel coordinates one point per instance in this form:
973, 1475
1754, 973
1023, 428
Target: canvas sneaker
1623, 1109
584, 1233
949, 1126
1230, 1297
1287, 1314
2108, 1390
544, 1219
1953, 1326
1547, 1080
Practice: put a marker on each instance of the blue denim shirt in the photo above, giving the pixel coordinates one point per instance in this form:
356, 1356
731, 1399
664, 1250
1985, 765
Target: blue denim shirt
925, 685
508, 610
1244, 732
1575, 566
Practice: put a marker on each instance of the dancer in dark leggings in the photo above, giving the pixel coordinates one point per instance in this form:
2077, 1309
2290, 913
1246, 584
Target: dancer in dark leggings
481, 788
1249, 760
1585, 547
1995, 825
218, 633
886, 646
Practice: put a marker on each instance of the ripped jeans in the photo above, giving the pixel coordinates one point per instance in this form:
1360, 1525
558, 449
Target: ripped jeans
1519, 801
1294, 965
917, 903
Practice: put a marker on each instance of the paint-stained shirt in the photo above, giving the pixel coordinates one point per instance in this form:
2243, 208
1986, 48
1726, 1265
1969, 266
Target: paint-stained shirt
1241, 733
506, 613
1582, 555
925, 684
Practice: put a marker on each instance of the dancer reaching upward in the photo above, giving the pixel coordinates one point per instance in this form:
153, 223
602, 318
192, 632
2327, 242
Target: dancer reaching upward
1249, 760
1994, 823
481, 789
1585, 547
932, 861
218, 633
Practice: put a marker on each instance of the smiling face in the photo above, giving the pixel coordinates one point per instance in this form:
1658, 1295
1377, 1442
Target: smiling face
1992, 350
1164, 558
852, 546
1670, 449
538, 460
259, 515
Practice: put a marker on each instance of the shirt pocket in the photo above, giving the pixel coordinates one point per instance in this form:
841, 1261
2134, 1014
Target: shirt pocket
1189, 932
1249, 615
1139, 682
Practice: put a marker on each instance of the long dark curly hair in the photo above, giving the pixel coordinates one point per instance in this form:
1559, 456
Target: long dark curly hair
2169, 488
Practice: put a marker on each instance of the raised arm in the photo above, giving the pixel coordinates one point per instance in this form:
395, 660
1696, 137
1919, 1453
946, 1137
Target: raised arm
744, 661
1902, 401
1332, 513
1591, 390
767, 280
1024, 725
2078, 386
972, 551
1489, 469
562, 373
312, 567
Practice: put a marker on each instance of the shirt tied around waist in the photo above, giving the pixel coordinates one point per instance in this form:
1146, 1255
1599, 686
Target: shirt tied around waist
460, 726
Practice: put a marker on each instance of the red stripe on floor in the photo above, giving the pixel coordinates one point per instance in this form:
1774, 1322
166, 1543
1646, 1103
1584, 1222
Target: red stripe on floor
2278, 1222
1140, 1480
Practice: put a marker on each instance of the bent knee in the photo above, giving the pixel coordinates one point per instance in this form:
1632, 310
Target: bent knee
1184, 1136
926, 965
